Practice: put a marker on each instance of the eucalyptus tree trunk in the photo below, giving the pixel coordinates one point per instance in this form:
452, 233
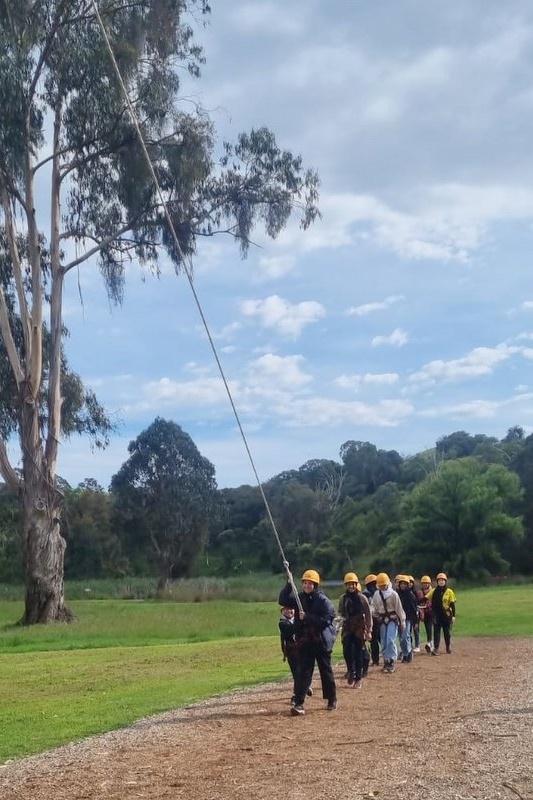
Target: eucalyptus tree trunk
44, 550
41, 503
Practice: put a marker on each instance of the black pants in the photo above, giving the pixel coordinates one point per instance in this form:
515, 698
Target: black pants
374, 644
352, 650
428, 625
294, 664
309, 655
442, 624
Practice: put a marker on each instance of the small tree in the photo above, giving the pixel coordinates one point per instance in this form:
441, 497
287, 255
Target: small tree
165, 496
64, 115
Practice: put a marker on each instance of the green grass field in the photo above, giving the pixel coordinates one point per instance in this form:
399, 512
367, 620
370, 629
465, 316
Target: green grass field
121, 660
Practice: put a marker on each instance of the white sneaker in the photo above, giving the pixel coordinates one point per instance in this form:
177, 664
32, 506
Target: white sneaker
416, 650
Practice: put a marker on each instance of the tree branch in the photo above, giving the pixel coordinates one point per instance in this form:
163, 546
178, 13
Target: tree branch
6, 470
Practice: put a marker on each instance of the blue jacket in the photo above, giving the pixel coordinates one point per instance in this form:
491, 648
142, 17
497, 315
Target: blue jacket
317, 628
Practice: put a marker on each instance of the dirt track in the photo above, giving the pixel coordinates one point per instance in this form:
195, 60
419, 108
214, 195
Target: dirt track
458, 726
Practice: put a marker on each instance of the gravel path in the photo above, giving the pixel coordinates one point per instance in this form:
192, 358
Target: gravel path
458, 726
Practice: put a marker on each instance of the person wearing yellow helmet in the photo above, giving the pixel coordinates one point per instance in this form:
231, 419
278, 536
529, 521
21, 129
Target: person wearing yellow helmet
423, 597
370, 588
388, 613
408, 601
443, 602
416, 625
356, 628
315, 635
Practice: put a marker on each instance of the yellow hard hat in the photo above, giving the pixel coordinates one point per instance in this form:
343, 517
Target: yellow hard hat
425, 579
382, 579
442, 575
370, 579
410, 579
402, 578
311, 575
351, 577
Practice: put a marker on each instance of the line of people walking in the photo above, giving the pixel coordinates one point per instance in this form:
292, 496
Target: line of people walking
377, 621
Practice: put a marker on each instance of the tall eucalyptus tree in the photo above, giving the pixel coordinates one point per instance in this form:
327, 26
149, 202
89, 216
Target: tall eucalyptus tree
64, 115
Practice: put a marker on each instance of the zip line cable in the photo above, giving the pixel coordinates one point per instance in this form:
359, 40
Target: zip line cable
188, 269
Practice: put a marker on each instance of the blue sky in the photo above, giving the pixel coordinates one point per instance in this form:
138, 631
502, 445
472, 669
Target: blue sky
406, 313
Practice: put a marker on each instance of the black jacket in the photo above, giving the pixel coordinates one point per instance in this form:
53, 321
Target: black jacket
410, 606
317, 627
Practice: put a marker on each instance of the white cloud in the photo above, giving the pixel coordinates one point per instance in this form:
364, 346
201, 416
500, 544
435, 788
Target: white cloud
369, 308
274, 267
265, 18
397, 338
480, 361
321, 411
166, 392
369, 379
476, 409
278, 372
286, 318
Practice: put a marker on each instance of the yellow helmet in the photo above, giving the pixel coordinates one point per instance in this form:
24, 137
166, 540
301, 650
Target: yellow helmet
311, 575
402, 578
410, 579
442, 575
351, 577
382, 579
425, 579
398, 578
370, 579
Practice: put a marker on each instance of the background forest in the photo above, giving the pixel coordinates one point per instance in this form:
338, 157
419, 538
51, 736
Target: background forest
465, 506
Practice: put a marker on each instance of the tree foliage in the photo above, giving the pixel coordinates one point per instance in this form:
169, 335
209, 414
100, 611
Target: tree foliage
65, 120
457, 520
164, 498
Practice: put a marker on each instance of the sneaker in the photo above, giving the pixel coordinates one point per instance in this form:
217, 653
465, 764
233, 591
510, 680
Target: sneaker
297, 711
309, 692
416, 650
351, 680
358, 684
428, 647
391, 666
408, 658
385, 667
293, 701
331, 706
434, 652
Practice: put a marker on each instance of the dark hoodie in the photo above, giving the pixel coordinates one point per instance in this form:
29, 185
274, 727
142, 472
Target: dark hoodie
317, 627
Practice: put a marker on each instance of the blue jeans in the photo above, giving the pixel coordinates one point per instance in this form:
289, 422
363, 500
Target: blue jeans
405, 638
387, 635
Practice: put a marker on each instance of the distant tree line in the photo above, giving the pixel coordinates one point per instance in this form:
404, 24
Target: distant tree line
465, 506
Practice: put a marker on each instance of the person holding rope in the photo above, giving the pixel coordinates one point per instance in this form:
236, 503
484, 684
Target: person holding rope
315, 636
